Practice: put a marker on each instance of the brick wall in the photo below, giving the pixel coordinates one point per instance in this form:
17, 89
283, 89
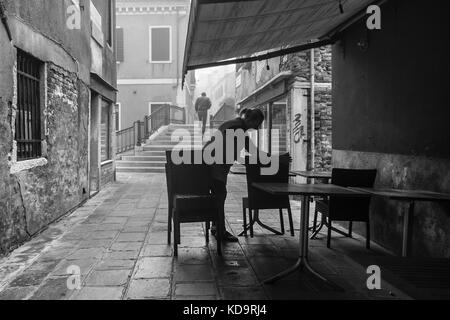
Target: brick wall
33, 198
300, 64
107, 174
323, 129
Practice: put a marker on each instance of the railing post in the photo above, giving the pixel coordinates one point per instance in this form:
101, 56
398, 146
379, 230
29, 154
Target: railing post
167, 114
146, 131
139, 137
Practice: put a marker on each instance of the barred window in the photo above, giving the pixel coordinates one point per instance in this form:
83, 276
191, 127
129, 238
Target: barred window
28, 116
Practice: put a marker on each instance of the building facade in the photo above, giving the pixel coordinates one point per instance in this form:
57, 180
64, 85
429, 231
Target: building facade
220, 86
151, 42
294, 92
57, 90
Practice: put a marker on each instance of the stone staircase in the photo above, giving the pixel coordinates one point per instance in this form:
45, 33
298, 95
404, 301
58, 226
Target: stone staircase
152, 157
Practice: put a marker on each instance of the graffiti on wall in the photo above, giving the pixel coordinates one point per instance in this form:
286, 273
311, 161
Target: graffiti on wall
298, 128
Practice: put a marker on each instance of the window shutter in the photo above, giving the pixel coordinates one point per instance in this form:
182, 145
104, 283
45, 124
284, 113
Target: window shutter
120, 56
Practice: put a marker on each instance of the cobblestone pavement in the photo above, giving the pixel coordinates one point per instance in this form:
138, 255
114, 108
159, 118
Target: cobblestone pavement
118, 242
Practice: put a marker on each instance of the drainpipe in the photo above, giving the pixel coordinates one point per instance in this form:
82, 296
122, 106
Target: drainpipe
4, 19
313, 120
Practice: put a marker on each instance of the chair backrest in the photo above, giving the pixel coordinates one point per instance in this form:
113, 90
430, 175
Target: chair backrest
260, 199
351, 208
187, 179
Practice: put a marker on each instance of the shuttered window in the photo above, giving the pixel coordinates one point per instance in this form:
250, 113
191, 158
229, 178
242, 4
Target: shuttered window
120, 50
160, 45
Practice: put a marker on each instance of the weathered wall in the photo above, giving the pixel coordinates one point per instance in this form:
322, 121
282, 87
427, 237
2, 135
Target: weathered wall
300, 64
51, 191
48, 17
32, 198
12, 213
107, 174
323, 133
390, 112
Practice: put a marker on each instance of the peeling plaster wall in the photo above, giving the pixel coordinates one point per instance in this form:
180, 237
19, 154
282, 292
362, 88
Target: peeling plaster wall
12, 211
35, 195
33, 198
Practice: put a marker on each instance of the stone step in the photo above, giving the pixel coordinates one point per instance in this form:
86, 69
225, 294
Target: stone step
141, 170
153, 154
168, 142
165, 148
139, 164
162, 157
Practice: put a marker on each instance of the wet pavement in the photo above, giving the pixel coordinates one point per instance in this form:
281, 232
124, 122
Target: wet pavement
115, 247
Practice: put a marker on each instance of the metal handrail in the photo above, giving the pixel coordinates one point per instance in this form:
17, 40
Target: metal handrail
129, 138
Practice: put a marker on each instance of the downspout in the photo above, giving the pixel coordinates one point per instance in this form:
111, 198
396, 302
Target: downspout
4, 19
178, 47
313, 120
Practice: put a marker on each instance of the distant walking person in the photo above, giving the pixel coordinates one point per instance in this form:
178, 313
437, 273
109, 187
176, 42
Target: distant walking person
202, 105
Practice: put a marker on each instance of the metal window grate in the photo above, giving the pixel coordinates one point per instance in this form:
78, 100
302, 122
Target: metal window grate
28, 117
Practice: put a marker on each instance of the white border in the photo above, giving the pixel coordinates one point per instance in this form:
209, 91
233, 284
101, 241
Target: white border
170, 42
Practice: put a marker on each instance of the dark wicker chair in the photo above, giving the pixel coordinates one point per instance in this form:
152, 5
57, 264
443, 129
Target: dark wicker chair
347, 209
190, 200
258, 200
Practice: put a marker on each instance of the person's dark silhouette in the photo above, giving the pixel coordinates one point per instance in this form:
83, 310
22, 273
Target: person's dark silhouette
202, 105
249, 120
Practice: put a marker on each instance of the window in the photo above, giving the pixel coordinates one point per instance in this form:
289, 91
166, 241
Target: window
120, 50
160, 44
105, 131
28, 116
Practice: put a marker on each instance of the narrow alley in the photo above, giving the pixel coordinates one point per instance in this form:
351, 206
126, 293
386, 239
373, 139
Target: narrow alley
118, 240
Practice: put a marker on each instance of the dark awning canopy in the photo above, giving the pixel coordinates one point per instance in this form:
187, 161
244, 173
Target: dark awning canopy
230, 31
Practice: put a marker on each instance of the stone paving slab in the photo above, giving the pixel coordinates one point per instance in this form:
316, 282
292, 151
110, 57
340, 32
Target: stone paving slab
118, 242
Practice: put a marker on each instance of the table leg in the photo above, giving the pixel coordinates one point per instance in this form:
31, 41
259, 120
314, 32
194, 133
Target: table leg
258, 221
299, 265
302, 262
408, 222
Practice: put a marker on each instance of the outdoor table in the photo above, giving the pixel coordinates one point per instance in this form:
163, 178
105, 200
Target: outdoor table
410, 197
306, 191
326, 177
320, 175
241, 171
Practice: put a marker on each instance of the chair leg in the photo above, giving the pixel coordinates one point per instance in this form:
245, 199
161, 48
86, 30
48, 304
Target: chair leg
207, 228
169, 226
316, 216
219, 237
350, 229
283, 231
291, 221
177, 236
329, 233
244, 215
368, 235
251, 224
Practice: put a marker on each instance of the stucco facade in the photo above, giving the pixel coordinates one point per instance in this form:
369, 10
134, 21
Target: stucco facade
37, 191
146, 81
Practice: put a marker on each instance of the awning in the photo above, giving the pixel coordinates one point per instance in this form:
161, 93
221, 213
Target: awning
230, 31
